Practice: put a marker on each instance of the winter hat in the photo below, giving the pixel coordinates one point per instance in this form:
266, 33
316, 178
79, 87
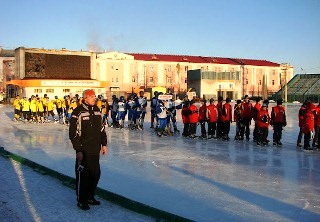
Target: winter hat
88, 92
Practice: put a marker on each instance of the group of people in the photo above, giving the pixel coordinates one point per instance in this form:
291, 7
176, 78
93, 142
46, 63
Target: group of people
213, 118
219, 116
309, 124
43, 109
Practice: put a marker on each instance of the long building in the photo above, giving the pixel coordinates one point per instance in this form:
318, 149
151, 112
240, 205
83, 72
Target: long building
65, 72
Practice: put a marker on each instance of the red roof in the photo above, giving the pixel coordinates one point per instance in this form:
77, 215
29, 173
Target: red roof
256, 62
201, 59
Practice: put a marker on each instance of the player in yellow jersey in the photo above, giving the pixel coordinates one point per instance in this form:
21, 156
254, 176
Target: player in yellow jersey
99, 102
59, 108
72, 106
44, 101
50, 106
40, 111
26, 109
105, 111
17, 108
33, 109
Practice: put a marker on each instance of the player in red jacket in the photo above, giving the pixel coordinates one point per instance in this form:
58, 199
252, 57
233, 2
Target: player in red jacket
237, 117
219, 121
203, 118
185, 112
193, 119
278, 121
301, 113
255, 111
226, 118
263, 122
247, 111
212, 119
308, 125
316, 139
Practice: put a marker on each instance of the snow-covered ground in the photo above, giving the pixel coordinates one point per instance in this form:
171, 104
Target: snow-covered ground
202, 180
26, 195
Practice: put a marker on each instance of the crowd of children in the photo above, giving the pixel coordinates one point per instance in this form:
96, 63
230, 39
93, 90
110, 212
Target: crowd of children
213, 118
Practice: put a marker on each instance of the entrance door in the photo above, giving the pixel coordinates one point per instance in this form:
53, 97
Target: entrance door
230, 94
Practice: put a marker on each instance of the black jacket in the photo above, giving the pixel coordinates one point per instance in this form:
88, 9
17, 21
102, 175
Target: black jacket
87, 130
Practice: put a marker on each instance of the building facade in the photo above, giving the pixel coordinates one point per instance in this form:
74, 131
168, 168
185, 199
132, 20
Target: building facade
61, 72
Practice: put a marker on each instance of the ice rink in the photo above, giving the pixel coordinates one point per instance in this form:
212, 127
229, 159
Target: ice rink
202, 180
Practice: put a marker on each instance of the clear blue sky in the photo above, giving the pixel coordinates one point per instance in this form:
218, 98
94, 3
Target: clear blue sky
274, 30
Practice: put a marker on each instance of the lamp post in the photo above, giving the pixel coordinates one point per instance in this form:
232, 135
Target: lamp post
284, 68
243, 79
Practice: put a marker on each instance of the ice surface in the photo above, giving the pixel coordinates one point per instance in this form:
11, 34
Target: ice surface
203, 180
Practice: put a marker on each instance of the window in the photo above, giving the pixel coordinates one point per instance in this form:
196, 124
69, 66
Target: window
168, 79
37, 90
185, 80
260, 82
169, 68
112, 80
133, 79
247, 82
151, 79
66, 90
273, 82
49, 90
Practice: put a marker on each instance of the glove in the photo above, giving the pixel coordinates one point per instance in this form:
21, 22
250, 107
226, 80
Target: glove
104, 150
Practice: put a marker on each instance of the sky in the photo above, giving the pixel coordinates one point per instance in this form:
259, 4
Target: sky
281, 31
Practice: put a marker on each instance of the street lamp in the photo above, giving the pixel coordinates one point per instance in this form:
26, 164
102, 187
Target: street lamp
284, 68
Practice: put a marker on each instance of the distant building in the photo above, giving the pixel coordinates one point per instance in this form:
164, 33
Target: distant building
54, 72
62, 72
7, 62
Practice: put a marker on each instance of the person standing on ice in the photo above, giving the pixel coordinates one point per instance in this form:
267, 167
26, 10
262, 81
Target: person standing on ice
255, 112
161, 112
247, 110
308, 125
301, 113
88, 138
219, 121
263, 122
153, 106
226, 119
17, 108
193, 119
316, 139
237, 118
212, 119
141, 109
278, 121
185, 118
203, 117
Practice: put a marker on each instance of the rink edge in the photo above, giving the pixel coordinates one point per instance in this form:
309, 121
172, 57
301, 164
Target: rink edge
117, 199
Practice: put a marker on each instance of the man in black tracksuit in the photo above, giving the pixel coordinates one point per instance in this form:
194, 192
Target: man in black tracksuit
88, 137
